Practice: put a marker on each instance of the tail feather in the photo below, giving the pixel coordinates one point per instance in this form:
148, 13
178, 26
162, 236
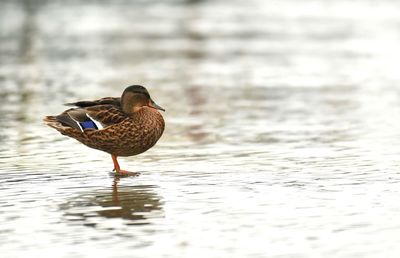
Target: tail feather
53, 122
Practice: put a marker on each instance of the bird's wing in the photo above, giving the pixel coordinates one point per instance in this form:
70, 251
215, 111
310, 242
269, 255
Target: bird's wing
92, 117
103, 101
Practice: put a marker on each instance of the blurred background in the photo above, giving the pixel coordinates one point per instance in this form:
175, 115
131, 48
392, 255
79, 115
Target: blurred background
282, 137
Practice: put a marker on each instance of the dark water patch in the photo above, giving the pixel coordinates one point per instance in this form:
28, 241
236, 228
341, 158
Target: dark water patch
128, 203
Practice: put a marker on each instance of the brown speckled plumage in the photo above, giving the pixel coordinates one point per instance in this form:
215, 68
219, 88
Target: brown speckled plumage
130, 136
131, 124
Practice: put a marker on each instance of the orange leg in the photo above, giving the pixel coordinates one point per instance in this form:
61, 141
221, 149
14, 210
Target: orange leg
116, 165
118, 170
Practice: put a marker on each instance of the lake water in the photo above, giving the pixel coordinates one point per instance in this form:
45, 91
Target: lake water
282, 129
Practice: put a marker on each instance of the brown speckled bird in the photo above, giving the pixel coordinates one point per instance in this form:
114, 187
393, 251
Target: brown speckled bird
125, 126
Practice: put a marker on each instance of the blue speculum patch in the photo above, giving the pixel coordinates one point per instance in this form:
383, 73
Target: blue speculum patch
88, 124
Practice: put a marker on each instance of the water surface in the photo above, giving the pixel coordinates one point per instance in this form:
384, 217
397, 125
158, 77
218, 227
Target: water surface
282, 136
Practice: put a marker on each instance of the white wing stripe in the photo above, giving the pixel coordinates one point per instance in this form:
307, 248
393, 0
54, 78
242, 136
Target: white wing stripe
76, 122
98, 124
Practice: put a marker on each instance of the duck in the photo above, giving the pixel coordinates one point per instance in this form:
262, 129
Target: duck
121, 126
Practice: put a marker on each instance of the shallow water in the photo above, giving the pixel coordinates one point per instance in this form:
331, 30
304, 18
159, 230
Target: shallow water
282, 136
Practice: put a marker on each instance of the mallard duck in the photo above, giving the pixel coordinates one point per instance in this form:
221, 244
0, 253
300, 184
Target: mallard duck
124, 126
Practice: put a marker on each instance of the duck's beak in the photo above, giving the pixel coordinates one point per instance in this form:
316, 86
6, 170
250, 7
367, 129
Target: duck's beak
154, 105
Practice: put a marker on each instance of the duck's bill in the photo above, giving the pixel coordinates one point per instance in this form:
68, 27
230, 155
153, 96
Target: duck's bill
154, 105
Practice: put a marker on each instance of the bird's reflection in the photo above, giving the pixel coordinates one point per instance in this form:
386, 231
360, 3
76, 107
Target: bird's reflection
126, 202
